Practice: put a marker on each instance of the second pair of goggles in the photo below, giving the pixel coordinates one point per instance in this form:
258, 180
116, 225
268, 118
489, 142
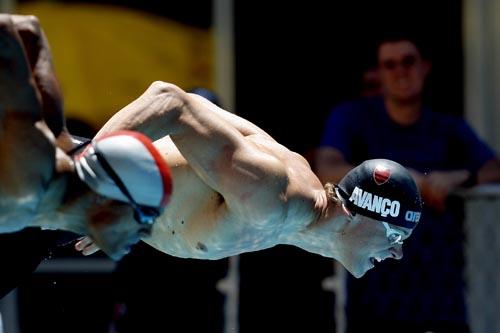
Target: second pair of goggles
126, 166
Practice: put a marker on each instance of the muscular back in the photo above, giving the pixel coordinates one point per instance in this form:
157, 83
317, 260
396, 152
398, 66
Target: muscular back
199, 222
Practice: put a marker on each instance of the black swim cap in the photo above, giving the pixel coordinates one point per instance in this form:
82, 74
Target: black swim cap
383, 190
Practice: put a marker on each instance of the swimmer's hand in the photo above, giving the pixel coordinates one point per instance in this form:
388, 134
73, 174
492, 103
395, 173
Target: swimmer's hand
86, 246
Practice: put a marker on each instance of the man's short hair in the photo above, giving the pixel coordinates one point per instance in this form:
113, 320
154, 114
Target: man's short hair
393, 37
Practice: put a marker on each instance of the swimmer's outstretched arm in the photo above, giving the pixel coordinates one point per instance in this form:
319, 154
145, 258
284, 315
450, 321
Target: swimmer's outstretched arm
40, 59
28, 86
33, 48
150, 106
214, 143
18, 91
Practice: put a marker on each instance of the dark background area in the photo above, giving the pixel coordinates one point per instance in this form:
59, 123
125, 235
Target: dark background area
294, 61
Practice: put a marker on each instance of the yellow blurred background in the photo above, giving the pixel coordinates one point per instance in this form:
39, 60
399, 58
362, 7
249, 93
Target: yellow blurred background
106, 56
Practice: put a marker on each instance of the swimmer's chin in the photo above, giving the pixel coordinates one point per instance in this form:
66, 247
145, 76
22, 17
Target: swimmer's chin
359, 274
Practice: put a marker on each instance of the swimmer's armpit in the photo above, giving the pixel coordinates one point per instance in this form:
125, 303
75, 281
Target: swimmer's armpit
86, 246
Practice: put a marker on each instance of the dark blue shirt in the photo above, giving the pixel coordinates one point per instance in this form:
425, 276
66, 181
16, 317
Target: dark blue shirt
362, 129
425, 289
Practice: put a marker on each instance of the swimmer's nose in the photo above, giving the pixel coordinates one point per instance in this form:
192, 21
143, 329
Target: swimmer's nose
397, 251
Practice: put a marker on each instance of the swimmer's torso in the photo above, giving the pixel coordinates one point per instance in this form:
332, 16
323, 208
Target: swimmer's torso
197, 223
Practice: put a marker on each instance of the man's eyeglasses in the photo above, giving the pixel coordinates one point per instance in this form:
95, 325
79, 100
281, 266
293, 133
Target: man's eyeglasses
407, 62
395, 237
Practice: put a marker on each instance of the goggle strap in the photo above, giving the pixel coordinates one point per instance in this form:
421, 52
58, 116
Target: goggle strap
139, 212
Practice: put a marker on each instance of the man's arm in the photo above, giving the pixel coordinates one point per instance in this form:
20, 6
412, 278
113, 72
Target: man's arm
123, 121
435, 186
22, 137
331, 165
216, 148
39, 58
18, 92
28, 84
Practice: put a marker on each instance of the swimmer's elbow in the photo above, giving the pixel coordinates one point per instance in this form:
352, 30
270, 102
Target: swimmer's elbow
161, 87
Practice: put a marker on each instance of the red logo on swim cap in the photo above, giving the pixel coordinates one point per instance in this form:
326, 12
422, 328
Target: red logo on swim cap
381, 174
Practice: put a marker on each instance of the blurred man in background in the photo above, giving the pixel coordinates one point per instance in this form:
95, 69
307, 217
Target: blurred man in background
426, 292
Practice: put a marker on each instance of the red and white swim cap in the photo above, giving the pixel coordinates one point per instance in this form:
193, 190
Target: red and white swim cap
126, 166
